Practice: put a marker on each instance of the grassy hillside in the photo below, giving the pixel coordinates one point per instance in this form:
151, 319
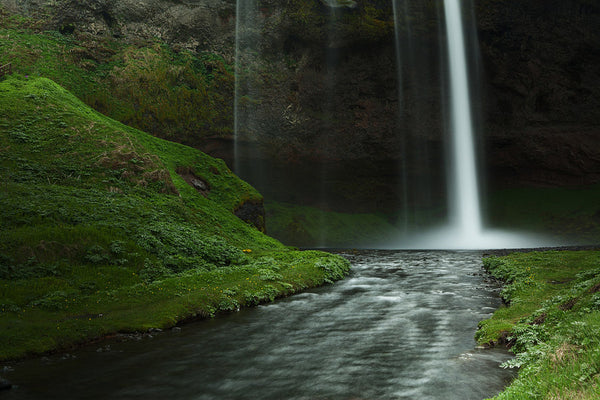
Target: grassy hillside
312, 227
551, 323
170, 94
572, 212
100, 232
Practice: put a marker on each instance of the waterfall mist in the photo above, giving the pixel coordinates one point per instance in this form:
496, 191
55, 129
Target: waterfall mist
465, 207
464, 229
432, 195
247, 39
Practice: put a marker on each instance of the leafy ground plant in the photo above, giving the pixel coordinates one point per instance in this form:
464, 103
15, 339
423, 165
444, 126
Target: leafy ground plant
551, 322
171, 94
100, 233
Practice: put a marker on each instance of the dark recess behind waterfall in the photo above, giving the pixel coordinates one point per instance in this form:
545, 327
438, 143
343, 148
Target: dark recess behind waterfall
539, 104
540, 85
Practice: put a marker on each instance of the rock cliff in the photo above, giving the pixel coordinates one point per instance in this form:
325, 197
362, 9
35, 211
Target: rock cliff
320, 87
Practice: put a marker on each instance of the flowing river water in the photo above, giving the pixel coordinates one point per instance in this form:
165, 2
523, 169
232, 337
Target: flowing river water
401, 326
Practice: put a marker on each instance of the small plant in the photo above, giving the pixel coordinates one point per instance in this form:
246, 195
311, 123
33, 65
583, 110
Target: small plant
154, 271
117, 247
265, 274
335, 268
97, 255
9, 307
55, 301
228, 304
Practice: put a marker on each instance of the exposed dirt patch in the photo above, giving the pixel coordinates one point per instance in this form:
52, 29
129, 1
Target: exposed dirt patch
504, 340
252, 212
540, 319
194, 180
566, 306
139, 169
564, 354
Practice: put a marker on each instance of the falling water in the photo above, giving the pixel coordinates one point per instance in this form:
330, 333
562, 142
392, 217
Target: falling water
465, 207
417, 78
403, 166
236, 117
465, 229
247, 39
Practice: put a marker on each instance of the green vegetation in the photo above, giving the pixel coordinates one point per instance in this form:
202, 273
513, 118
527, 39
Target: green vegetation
306, 226
368, 21
552, 323
563, 212
170, 94
100, 232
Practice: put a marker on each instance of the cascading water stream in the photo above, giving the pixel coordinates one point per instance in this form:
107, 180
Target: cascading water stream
465, 229
465, 210
400, 327
404, 164
236, 95
247, 35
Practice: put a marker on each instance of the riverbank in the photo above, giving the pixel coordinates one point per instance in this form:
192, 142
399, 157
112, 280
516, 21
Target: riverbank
401, 324
551, 321
62, 320
107, 229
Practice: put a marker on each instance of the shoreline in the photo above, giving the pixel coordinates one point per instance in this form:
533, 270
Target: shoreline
495, 265
549, 320
174, 301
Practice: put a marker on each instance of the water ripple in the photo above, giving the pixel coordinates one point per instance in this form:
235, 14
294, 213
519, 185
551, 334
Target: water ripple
401, 327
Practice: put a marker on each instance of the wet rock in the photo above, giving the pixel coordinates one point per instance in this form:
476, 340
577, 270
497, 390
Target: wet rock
193, 180
103, 349
252, 212
4, 384
332, 93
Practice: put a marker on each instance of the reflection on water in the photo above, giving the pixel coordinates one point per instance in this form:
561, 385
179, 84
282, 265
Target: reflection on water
400, 327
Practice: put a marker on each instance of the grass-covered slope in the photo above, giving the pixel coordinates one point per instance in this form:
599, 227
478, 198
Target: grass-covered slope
311, 227
170, 94
552, 323
563, 213
100, 233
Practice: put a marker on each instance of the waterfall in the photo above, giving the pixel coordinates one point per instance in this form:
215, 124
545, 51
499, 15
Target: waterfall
403, 164
465, 228
236, 94
465, 212
247, 39
420, 174
419, 161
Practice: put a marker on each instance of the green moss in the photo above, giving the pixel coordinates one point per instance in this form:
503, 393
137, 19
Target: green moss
306, 226
100, 233
175, 95
362, 21
552, 322
563, 212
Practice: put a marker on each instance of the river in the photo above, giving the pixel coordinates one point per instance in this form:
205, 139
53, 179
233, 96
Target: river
401, 326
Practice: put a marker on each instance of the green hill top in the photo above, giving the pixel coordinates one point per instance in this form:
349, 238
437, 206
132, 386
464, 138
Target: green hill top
105, 228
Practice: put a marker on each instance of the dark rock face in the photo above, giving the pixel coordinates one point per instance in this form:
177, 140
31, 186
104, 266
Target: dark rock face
542, 73
321, 87
252, 213
197, 25
4, 384
539, 107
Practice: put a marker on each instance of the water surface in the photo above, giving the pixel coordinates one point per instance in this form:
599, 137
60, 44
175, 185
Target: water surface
401, 326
